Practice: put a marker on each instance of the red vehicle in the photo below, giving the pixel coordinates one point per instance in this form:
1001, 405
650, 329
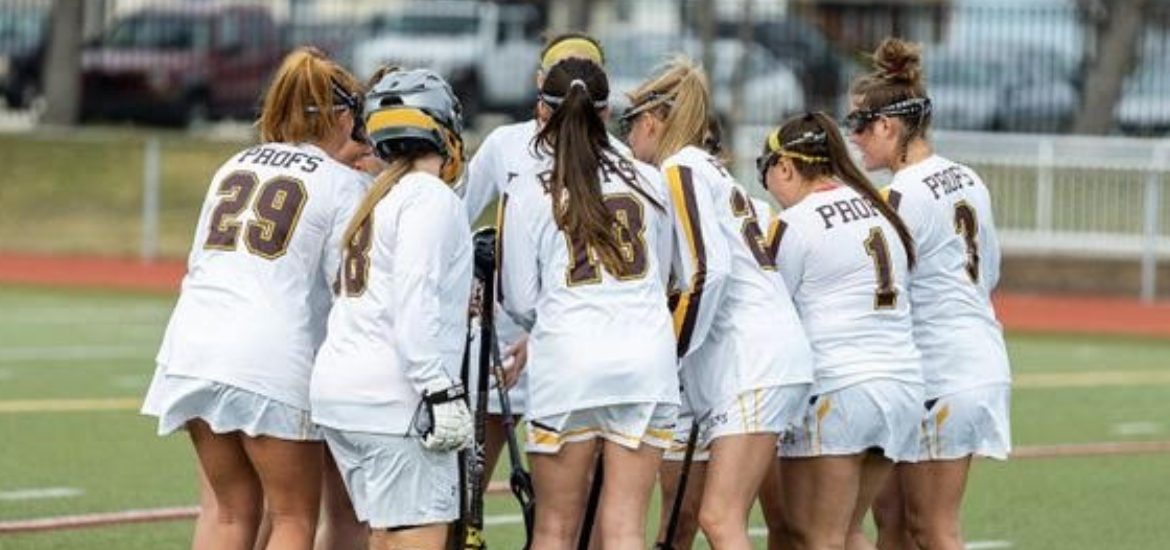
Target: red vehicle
181, 64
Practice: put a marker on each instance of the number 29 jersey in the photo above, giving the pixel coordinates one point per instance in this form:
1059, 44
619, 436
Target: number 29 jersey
594, 339
256, 296
848, 274
948, 210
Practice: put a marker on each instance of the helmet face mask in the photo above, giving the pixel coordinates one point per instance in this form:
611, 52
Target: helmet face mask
416, 105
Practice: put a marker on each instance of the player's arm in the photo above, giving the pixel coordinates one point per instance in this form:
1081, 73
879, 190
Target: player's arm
349, 197
789, 251
518, 266
703, 259
481, 183
422, 242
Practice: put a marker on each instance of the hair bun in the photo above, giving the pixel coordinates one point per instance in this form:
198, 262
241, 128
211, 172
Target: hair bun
899, 62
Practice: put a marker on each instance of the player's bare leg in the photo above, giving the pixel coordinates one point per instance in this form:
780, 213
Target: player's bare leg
772, 505
889, 514
736, 469
934, 496
688, 517
425, 537
290, 473
205, 521
629, 482
561, 484
819, 496
875, 471
239, 498
339, 528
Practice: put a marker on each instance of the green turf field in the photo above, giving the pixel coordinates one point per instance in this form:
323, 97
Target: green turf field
89, 350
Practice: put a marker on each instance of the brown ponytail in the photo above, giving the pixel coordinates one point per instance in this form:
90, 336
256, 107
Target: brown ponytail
299, 105
828, 157
577, 90
897, 77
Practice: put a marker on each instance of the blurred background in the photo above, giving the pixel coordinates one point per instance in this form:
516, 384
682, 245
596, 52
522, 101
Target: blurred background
114, 114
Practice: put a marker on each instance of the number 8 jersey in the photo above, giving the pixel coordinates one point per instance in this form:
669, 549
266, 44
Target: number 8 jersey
948, 210
595, 339
256, 296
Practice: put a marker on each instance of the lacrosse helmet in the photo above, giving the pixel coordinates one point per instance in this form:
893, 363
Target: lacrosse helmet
407, 108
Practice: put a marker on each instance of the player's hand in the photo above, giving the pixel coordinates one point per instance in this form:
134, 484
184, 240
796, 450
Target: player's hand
515, 359
451, 427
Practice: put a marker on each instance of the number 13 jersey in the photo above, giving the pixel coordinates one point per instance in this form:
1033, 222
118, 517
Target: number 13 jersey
595, 340
254, 303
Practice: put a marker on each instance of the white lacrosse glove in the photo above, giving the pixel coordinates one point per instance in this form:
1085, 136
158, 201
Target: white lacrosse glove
451, 427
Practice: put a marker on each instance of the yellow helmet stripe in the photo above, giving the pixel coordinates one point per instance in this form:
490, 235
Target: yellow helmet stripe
395, 118
571, 47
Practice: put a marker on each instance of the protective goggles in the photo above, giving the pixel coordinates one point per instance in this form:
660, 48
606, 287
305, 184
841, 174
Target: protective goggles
777, 150
857, 121
626, 121
345, 101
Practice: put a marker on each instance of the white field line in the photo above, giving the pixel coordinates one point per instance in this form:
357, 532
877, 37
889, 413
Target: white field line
1132, 429
40, 493
988, 544
31, 354
85, 315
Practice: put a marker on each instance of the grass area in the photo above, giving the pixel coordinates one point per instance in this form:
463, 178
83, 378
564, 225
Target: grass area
81, 345
82, 192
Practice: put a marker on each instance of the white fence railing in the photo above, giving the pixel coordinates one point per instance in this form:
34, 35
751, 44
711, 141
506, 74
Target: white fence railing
1084, 196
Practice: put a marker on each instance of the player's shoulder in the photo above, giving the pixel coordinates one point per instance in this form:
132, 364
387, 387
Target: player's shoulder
516, 134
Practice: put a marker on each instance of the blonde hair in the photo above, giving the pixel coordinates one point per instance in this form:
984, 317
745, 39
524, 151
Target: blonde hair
299, 103
680, 92
381, 187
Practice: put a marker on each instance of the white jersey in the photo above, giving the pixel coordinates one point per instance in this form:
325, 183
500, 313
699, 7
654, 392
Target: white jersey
848, 273
256, 296
506, 154
737, 327
400, 320
594, 340
948, 210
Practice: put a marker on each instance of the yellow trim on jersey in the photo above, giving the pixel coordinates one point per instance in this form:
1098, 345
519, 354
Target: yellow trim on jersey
885, 193
674, 183
571, 47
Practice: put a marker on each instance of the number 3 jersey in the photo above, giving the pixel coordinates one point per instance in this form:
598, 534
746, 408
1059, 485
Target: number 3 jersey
948, 210
254, 302
594, 339
848, 273
736, 324
400, 321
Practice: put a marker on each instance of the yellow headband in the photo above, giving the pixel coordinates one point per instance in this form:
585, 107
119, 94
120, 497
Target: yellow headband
809, 159
775, 147
774, 141
571, 47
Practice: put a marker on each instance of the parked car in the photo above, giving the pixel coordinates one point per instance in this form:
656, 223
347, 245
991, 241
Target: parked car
181, 64
799, 45
1144, 106
1042, 93
771, 89
23, 35
487, 51
966, 89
